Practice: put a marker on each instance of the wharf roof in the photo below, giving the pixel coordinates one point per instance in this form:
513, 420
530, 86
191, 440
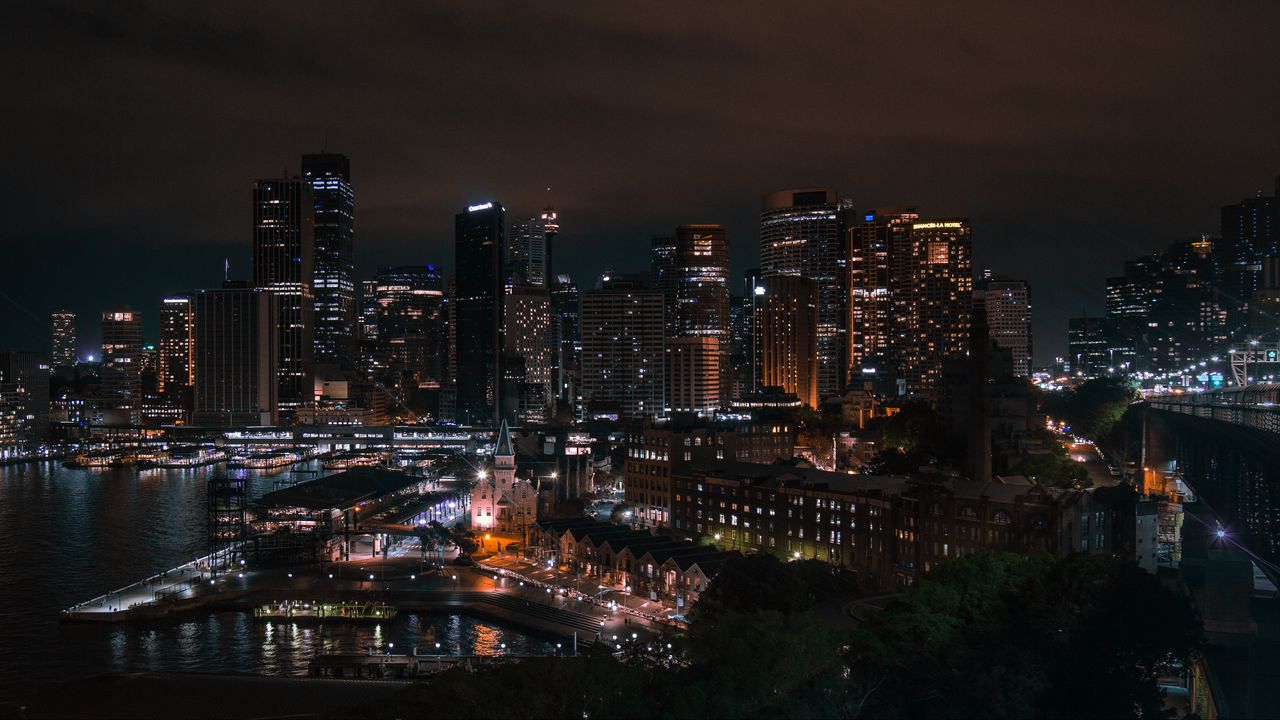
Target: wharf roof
340, 491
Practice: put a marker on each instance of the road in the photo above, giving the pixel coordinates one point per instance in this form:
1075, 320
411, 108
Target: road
1087, 454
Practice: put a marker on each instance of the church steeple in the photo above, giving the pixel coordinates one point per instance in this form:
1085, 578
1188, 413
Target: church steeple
504, 459
503, 447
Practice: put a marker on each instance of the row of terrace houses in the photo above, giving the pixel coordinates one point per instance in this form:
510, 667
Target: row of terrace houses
641, 562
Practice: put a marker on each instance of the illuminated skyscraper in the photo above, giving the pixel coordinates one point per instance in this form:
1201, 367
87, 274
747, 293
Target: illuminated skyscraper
531, 335
566, 303
786, 336
939, 294
410, 323
122, 366
702, 282
692, 375
64, 338
871, 301
529, 249
1008, 310
622, 349
333, 285
664, 276
176, 370
283, 263
802, 234
480, 252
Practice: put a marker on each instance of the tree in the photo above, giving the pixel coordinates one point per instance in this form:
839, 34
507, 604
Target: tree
464, 539
762, 582
1094, 407
1054, 468
622, 513
1000, 635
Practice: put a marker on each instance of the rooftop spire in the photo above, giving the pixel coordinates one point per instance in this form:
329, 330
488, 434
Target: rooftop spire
503, 447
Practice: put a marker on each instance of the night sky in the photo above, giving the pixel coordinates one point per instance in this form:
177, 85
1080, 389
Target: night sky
1073, 136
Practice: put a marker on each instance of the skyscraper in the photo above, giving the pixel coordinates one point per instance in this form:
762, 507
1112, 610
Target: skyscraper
235, 340
939, 299
177, 367
692, 375
531, 335
1007, 305
122, 366
64, 338
786, 336
802, 234
24, 399
529, 249
702, 282
566, 303
333, 285
622, 349
410, 323
284, 263
480, 252
664, 277
871, 301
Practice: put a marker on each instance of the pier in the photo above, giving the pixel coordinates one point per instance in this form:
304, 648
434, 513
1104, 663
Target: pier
381, 666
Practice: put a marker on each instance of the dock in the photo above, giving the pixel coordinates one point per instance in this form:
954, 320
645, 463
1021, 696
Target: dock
382, 666
301, 610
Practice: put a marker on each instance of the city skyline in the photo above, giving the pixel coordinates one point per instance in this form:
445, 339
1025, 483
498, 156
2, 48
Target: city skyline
1064, 167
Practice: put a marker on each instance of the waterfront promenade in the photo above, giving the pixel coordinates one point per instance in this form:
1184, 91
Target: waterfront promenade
403, 580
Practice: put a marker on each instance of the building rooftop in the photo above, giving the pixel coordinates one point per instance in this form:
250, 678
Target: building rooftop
790, 475
340, 491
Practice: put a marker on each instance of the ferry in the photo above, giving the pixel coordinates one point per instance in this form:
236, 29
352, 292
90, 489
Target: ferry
102, 458
346, 459
267, 460
190, 456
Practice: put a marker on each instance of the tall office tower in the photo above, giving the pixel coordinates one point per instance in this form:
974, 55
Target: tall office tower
566, 303
177, 368
940, 300
64, 338
622, 350
532, 335
550, 228
24, 399
871, 319
1007, 306
122, 366
692, 375
410, 322
283, 263
236, 336
333, 285
479, 251
802, 234
1095, 344
741, 322
664, 276
368, 326
702, 282
1250, 233
786, 336
529, 249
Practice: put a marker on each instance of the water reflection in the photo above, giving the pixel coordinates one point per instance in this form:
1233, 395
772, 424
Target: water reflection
71, 534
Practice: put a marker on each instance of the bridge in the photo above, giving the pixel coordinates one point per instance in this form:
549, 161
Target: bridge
1251, 406
1225, 445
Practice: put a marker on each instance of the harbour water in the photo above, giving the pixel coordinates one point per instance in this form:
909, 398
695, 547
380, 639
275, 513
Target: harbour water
67, 535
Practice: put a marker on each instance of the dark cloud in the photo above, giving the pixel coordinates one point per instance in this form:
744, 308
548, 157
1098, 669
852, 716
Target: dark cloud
1074, 135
